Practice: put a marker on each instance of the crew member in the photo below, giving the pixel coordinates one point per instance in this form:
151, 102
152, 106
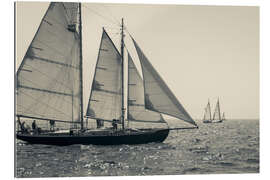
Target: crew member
52, 123
114, 124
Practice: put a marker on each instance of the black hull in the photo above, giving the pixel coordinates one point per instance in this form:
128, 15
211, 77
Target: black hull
114, 139
207, 122
212, 121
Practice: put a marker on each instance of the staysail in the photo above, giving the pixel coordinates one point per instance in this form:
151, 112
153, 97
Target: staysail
217, 115
106, 93
136, 109
158, 96
48, 79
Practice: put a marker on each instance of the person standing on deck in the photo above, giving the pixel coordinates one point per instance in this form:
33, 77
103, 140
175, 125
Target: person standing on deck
52, 123
114, 124
100, 123
34, 126
22, 126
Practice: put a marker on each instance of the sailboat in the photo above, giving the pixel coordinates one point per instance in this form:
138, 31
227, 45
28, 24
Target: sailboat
207, 114
49, 88
216, 116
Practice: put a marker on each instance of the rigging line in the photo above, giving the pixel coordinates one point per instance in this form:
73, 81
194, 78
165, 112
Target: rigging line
105, 18
113, 28
114, 35
110, 16
109, 10
125, 28
46, 104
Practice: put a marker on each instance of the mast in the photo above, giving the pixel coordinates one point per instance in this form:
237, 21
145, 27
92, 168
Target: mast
72, 108
122, 55
81, 76
209, 110
219, 117
128, 91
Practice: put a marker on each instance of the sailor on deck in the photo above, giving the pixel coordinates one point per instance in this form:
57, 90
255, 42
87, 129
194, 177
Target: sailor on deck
35, 128
52, 123
22, 126
114, 124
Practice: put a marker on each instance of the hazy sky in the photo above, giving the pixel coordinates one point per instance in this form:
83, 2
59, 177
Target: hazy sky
202, 52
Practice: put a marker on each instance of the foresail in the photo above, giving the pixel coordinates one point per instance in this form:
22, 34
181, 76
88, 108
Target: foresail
217, 115
136, 108
105, 97
158, 97
47, 85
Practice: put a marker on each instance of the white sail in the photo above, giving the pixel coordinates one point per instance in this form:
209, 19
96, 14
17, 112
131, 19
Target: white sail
207, 113
48, 79
106, 92
216, 115
223, 116
136, 109
158, 97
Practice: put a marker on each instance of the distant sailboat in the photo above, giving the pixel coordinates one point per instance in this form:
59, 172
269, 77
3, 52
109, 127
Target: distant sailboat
207, 114
49, 87
216, 116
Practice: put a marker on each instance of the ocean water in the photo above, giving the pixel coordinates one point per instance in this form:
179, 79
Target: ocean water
229, 147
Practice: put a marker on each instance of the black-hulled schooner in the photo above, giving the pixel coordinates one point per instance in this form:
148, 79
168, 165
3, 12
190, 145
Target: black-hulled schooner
49, 88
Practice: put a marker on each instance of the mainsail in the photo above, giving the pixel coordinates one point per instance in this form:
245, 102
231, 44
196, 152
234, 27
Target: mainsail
48, 79
106, 92
216, 115
136, 109
158, 97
